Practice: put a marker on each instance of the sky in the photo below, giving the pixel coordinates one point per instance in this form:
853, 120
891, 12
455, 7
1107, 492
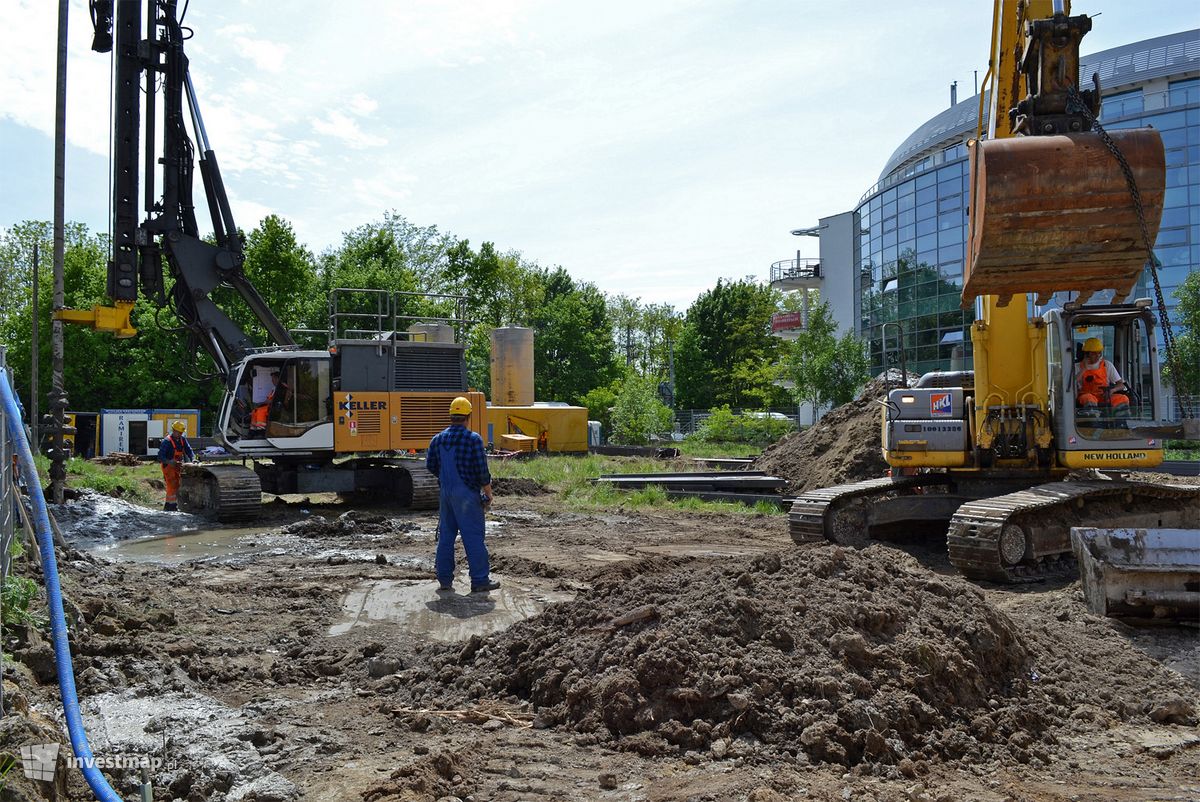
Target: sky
648, 147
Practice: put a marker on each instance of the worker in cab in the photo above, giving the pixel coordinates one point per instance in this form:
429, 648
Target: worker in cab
173, 451
277, 396
456, 456
1100, 386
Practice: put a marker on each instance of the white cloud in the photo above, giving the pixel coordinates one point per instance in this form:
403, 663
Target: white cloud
345, 129
28, 40
248, 213
235, 29
265, 54
362, 105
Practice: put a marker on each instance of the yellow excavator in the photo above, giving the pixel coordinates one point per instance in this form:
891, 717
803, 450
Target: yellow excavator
997, 457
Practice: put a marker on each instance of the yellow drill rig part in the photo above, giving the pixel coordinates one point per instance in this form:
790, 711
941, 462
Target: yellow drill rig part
114, 319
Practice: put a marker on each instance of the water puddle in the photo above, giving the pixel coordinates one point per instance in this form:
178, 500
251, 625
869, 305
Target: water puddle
179, 547
95, 518
420, 608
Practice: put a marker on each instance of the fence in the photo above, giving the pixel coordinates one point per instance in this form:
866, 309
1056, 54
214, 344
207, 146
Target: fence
8, 498
687, 421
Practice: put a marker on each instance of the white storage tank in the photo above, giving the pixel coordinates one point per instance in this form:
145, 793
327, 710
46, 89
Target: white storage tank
431, 332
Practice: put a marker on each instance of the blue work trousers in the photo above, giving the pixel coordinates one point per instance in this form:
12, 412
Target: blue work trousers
460, 511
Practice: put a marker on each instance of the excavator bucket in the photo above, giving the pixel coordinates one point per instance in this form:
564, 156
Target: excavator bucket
1140, 573
1054, 213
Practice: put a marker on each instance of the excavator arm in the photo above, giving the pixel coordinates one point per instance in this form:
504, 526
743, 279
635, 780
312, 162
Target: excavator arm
168, 237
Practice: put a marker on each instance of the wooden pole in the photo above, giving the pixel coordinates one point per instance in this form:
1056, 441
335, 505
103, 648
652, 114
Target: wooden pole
58, 395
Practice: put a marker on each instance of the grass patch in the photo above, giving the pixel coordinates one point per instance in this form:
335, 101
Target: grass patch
571, 478
16, 598
130, 482
703, 450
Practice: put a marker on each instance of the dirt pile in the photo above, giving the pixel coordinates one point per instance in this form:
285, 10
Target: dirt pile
118, 458
847, 656
843, 446
352, 523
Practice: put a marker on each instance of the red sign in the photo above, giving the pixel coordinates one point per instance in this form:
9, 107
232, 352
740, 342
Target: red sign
941, 404
786, 320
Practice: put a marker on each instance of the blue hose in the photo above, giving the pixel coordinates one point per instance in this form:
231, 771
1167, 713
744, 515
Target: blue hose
58, 622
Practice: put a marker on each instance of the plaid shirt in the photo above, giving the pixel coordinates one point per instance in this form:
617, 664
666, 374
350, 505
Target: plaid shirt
469, 456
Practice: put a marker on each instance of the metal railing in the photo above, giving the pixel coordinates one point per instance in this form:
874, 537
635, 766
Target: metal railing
795, 269
383, 314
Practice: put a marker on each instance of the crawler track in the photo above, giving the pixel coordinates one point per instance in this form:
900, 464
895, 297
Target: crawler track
424, 487
1026, 536
226, 493
1015, 537
839, 513
405, 483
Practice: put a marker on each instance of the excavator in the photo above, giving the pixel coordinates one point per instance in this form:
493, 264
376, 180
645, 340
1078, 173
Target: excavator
1007, 458
308, 420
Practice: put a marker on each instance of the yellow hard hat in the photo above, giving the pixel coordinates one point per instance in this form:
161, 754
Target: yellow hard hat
1093, 344
460, 406
178, 426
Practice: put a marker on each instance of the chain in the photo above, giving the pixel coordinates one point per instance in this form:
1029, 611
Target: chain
1075, 104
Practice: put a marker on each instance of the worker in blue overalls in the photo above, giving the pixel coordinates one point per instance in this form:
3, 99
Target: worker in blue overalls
457, 458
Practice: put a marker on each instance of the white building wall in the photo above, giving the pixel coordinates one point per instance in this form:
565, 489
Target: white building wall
837, 268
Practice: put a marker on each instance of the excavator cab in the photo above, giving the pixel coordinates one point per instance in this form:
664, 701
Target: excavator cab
259, 416
1105, 388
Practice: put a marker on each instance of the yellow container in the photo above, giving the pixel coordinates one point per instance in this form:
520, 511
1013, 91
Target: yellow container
190, 418
518, 442
562, 429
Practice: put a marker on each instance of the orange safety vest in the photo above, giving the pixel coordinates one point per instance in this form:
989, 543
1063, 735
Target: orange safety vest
258, 415
1094, 381
179, 453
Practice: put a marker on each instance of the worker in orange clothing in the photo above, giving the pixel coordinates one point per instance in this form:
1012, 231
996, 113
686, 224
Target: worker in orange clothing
279, 395
1099, 384
173, 451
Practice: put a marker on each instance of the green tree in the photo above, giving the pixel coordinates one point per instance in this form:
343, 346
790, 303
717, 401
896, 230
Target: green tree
638, 415
726, 353
1187, 343
600, 402
573, 343
825, 369
389, 255
152, 369
285, 274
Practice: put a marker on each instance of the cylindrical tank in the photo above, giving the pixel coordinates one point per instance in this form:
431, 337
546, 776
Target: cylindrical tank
512, 366
431, 332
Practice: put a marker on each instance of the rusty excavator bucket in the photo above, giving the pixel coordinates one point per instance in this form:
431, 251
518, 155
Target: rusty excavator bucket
1140, 573
1055, 213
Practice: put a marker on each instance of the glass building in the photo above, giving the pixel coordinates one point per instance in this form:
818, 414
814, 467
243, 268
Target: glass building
911, 226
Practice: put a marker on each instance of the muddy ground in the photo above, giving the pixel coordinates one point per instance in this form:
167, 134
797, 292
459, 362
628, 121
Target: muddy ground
628, 656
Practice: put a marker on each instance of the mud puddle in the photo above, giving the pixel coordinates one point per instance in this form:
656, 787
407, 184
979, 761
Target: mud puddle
239, 545
419, 608
178, 547
95, 518
190, 740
